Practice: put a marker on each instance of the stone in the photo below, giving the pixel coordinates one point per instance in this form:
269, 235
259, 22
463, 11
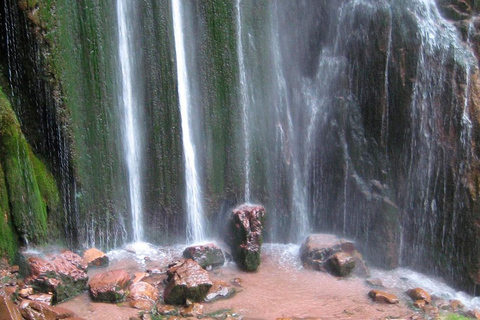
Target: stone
375, 282
381, 296
95, 258
42, 297
63, 275
245, 235
456, 305
194, 310
317, 248
419, 294
219, 290
110, 286
208, 255
166, 310
8, 310
237, 282
25, 292
186, 280
361, 268
142, 295
475, 314
32, 309
139, 276
430, 310
419, 303
340, 264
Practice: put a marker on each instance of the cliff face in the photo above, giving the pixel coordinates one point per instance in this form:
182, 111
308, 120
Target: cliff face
355, 117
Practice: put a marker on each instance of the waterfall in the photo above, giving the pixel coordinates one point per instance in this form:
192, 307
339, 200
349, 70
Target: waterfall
245, 101
129, 103
195, 218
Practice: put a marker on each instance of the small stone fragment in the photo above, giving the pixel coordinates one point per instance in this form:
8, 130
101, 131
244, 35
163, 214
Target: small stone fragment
166, 310
194, 310
419, 294
25, 292
237, 282
219, 290
419, 303
42, 297
381, 296
375, 282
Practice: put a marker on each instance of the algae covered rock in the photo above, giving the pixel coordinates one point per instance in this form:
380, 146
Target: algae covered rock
110, 286
340, 264
245, 235
63, 275
186, 280
208, 255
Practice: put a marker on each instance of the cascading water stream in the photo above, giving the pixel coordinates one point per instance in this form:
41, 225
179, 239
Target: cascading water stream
131, 138
195, 217
245, 101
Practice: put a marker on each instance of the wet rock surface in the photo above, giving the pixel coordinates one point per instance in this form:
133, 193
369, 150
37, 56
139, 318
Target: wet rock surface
186, 280
244, 235
110, 286
326, 252
419, 294
63, 274
95, 258
142, 295
219, 290
207, 256
8, 310
33, 310
382, 296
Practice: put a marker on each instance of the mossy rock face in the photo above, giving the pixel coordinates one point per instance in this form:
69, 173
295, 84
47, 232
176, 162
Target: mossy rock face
245, 235
110, 286
207, 256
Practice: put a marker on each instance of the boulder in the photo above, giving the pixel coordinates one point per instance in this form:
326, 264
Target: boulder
245, 235
208, 255
95, 258
456, 305
63, 275
419, 294
340, 264
8, 310
381, 296
33, 310
142, 295
186, 280
110, 286
219, 290
317, 248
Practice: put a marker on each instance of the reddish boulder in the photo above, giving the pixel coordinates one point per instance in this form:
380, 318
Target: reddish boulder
95, 258
110, 286
381, 296
33, 310
208, 255
63, 275
317, 248
186, 280
245, 235
8, 310
219, 290
419, 294
340, 264
142, 295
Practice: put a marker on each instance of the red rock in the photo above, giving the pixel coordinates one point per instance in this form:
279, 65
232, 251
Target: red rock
419, 294
237, 282
139, 276
380, 296
475, 314
219, 290
340, 264
8, 310
166, 310
245, 235
419, 303
28, 308
456, 305
25, 292
186, 280
43, 297
430, 310
110, 286
95, 258
316, 249
194, 310
208, 255
142, 296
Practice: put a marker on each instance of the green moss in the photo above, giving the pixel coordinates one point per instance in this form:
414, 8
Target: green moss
8, 240
27, 208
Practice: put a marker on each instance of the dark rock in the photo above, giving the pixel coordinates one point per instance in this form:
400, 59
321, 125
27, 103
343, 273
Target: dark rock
8, 310
340, 264
95, 258
208, 255
142, 295
33, 310
381, 296
419, 294
317, 248
245, 235
186, 280
63, 275
219, 290
110, 286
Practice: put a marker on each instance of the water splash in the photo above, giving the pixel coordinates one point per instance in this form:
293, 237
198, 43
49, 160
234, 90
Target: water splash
195, 217
131, 139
